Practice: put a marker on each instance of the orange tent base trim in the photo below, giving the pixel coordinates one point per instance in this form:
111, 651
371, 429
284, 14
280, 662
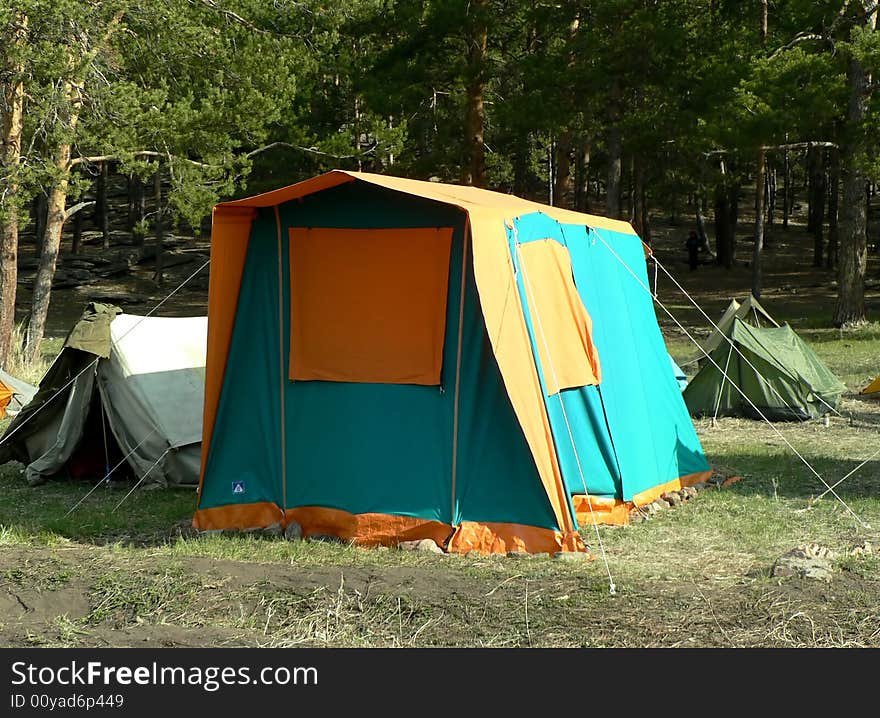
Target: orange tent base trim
615, 512
374, 529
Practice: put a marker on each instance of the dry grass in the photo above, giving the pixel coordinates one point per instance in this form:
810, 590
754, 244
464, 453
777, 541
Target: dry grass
23, 368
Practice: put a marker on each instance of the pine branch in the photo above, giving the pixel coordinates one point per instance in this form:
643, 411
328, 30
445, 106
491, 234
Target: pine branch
239, 20
76, 208
94, 159
774, 148
798, 39
312, 150
212, 5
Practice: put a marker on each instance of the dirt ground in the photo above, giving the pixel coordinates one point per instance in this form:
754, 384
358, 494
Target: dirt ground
89, 597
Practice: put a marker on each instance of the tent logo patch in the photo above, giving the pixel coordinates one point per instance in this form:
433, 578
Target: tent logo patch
238, 487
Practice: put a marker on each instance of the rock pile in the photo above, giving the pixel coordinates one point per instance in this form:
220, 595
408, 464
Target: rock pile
720, 479
808, 560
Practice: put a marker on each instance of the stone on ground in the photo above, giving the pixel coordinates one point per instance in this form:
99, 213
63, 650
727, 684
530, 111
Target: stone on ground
272, 530
572, 556
673, 498
863, 549
805, 561
423, 545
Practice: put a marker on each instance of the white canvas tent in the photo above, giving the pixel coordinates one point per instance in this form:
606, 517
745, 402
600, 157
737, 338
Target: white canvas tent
124, 387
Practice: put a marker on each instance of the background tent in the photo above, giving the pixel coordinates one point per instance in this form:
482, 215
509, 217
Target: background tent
788, 381
750, 312
14, 394
391, 359
873, 387
137, 393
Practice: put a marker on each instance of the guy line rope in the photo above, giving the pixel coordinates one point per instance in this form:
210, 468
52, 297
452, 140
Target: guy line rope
611, 587
829, 488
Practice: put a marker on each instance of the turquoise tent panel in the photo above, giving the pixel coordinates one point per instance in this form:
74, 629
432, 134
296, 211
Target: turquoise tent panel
595, 463
583, 443
680, 377
632, 432
361, 447
653, 435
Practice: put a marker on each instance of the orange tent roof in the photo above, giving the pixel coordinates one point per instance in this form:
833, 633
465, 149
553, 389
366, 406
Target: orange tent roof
468, 198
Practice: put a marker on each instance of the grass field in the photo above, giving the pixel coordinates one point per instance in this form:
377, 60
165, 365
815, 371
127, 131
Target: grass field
695, 575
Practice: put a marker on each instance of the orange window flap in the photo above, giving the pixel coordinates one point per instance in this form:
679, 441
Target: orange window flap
563, 328
368, 305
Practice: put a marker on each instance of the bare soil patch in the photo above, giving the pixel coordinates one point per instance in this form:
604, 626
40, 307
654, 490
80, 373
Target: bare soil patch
108, 599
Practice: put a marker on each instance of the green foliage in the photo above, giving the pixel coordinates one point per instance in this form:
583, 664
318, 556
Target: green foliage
186, 82
380, 85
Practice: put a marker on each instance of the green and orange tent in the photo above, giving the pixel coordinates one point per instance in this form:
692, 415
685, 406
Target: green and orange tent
390, 359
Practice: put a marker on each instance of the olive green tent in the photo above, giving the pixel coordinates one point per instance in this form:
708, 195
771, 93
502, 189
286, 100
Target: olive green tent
749, 311
773, 367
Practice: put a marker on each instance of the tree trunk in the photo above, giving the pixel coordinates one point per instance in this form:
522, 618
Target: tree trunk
726, 215
139, 209
40, 211
130, 210
101, 207
11, 117
733, 214
817, 192
786, 184
853, 240
760, 179
158, 228
723, 242
771, 195
562, 183
701, 220
614, 142
640, 206
833, 205
76, 242
473, 169
67, 117
612, 186
51, 245
765, 12
582, 179
521, 165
